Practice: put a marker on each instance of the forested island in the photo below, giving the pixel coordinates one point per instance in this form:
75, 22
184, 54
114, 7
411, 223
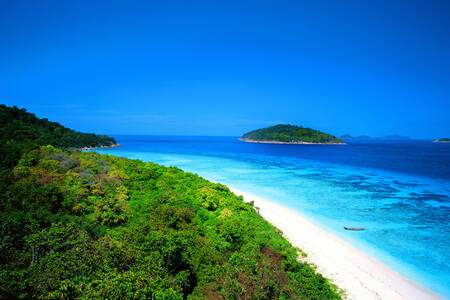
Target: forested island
290, 134
84, 225
442, 140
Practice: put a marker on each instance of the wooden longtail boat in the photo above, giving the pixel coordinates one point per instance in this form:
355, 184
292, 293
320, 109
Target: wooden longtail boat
354, 228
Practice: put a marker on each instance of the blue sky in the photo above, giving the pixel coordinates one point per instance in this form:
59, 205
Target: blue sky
223, 68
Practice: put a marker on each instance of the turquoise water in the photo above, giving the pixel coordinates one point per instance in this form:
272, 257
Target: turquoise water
399, 191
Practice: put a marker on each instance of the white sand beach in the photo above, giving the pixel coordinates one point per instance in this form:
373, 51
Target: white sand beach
360, 276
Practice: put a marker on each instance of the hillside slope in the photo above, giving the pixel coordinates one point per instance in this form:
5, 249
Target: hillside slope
21, 131
290, 134
84, 225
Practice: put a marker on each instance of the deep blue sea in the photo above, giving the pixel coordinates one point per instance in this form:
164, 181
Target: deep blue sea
398, 190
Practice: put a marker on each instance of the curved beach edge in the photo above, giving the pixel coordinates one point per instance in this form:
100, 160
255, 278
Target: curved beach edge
357, 274
287, 143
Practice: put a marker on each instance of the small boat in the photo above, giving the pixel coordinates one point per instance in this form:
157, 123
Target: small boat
354, 228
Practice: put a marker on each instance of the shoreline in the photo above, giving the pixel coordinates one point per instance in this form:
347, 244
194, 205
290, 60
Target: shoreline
100, 147
357, 274
438, 141
287, 143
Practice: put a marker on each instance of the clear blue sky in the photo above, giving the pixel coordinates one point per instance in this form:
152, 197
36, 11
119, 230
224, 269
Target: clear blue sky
223, 68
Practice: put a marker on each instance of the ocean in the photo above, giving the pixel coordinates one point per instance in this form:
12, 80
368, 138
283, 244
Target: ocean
398, 190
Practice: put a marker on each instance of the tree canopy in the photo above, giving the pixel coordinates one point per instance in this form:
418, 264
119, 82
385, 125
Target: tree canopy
21, 131
290, 134
89, 226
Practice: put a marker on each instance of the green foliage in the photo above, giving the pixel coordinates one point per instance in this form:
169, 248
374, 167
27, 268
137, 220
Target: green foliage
89, 226
290, 134
21, 131
108, 227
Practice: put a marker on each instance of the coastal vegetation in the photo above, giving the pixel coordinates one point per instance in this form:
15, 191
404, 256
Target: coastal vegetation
21, 131
290, 134
85, 225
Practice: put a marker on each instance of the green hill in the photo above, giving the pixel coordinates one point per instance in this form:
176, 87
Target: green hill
21, 131
290, 134
80, 225
20, 126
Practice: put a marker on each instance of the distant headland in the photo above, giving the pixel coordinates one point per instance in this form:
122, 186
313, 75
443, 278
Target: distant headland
20, 126
442, 140
365, 137
290, 134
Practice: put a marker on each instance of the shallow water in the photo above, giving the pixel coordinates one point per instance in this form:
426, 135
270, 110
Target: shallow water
399, 191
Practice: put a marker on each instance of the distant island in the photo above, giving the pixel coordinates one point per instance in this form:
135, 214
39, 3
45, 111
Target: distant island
290, 134
365, 137
442, 140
